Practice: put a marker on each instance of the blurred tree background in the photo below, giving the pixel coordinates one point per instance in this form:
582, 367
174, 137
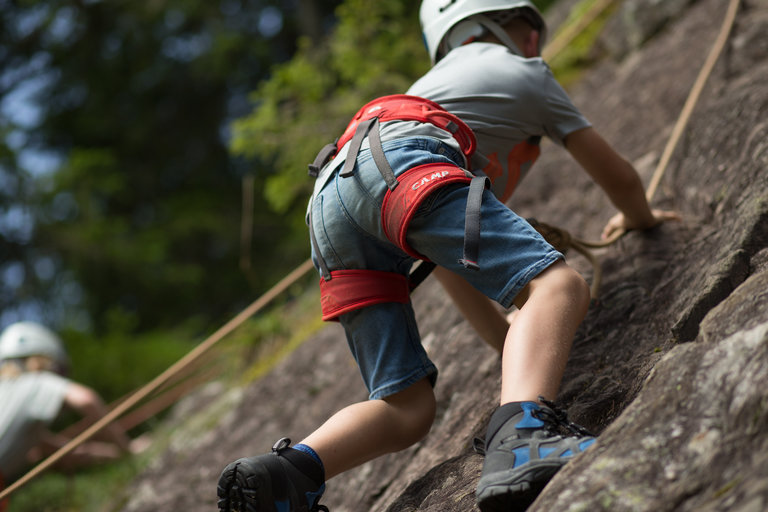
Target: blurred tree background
128, 131
121, 203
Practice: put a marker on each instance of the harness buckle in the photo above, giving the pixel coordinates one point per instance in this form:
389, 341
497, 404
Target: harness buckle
323, 157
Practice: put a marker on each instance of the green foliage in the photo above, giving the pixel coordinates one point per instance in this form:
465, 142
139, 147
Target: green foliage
120, 363
375, 49
569, 65
139, 209
85, 491
543, 5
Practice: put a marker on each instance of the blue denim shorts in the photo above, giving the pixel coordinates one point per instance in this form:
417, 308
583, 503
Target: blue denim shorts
346, 218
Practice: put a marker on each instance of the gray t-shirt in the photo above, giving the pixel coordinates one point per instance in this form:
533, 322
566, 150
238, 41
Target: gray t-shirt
508, 101
28, 403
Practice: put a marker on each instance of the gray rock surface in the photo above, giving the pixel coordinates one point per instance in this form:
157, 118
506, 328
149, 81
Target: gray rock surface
671, 363
639, 21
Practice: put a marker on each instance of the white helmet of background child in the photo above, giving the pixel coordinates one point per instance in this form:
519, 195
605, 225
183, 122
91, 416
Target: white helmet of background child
447, 24
25, 339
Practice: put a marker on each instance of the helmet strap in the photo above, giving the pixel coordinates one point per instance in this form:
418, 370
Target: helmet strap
501, 34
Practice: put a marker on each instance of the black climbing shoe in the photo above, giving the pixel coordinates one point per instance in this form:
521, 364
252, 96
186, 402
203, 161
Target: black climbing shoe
527, 444
285, 480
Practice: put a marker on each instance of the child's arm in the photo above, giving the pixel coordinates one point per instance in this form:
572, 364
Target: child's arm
90, 405
618, 179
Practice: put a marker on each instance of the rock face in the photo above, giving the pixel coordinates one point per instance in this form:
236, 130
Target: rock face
696, 437
671, 363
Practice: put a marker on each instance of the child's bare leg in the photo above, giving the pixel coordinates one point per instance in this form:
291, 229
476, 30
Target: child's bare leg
524, 446
538, 342
366, 430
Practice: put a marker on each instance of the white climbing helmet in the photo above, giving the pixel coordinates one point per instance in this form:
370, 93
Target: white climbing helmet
25, 339
447, 24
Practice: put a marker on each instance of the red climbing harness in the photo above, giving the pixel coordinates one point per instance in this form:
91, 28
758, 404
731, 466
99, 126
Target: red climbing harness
402, 107
399, 107
349, 290
346, 290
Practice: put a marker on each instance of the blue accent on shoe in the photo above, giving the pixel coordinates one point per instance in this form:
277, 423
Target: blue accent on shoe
314, 497
529, 421
586, 444
522, 456
567, 453
283, 506
309, 451
544, 451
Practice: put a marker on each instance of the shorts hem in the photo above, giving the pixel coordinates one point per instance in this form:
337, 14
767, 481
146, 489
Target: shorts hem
511, 290
390, 389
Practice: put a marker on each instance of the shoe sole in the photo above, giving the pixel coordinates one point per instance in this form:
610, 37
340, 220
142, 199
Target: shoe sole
515, 490
239, 486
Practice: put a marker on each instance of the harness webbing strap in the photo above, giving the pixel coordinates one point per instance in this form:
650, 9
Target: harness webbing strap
420, 273
472, 222
369, 128
377, 150
354, 146
322, 157
404, 107
349, 290
400, 107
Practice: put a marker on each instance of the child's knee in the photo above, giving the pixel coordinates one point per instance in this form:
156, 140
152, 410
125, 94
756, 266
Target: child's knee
574, 287
577, 286
416, 407
421, 425
559, 279
422, 412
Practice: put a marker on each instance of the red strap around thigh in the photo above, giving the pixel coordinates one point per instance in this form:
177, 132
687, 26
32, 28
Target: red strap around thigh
348, 290
415, 185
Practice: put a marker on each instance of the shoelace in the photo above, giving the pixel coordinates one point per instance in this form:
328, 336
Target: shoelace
554, 422
557, 420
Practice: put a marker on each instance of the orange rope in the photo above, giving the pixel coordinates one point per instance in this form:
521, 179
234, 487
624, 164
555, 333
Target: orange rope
685, 116
693, 97
164, 377
566, 37
682, 121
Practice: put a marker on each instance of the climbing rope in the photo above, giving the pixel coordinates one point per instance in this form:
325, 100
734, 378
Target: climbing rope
571, 32
562, 239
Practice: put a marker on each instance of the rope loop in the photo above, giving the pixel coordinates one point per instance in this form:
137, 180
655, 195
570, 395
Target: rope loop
557, 237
